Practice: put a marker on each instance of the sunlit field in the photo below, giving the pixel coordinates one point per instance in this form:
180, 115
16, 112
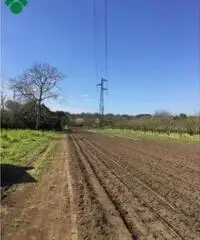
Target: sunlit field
16, 145
148, 134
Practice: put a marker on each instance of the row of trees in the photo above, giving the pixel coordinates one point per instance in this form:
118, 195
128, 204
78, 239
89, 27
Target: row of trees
24, 115
159, 122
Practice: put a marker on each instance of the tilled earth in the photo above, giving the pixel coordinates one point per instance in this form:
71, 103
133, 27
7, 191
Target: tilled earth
112, 188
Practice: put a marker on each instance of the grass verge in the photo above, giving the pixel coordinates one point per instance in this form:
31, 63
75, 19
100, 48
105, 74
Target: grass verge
126, 133
17, 145
43, 163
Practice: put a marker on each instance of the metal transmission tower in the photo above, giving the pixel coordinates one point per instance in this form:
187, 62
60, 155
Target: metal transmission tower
101, 84
101, 105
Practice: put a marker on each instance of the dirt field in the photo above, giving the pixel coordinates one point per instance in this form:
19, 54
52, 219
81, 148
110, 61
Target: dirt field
103, 187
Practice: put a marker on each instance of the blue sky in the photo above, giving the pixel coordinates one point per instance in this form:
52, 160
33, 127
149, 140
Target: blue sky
153, 49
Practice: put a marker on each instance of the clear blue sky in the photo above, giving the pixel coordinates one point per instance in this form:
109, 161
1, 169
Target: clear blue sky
153, 50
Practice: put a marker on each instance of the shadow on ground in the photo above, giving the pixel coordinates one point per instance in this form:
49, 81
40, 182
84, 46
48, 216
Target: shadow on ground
13, 174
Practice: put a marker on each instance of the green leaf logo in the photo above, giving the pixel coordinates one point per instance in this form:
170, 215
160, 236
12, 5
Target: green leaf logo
16, 6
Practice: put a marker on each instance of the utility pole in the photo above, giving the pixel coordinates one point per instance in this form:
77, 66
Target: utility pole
101, 105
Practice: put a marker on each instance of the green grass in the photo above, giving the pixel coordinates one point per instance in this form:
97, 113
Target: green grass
148, 135
43, 163
17, 145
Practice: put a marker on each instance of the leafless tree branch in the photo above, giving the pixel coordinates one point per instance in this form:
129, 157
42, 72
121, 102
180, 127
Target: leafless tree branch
37, 84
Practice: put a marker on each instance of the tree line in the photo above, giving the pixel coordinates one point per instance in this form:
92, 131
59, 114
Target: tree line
161, 121
24, 115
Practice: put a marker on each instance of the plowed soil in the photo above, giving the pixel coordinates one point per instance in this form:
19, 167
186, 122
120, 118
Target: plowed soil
102, 187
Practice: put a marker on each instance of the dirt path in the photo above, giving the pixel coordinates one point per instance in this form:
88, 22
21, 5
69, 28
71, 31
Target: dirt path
44, 212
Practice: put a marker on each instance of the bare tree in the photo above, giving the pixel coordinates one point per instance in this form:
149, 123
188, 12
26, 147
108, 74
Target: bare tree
3, 99
2, 92
37, 84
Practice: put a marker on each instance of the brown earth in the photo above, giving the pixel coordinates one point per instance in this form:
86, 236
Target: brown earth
101, 187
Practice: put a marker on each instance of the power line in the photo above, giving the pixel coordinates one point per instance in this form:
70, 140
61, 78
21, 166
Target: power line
95, 38
103, 81
106, 37
105, 72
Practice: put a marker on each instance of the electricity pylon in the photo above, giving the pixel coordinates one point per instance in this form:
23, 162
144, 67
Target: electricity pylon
101, 105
